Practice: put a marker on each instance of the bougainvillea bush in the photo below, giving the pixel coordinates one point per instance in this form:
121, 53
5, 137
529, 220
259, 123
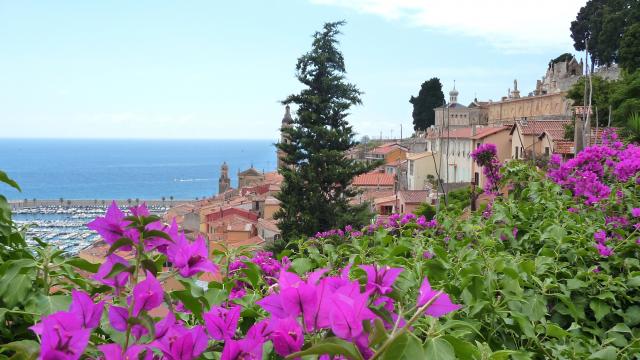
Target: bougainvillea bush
262, 308
549, 270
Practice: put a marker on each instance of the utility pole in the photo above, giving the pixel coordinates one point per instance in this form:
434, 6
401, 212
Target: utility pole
578, 134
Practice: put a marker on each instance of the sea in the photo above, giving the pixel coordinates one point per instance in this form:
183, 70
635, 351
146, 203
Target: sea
122, 169
107, 170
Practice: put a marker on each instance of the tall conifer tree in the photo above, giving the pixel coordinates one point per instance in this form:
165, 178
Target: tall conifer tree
316, 191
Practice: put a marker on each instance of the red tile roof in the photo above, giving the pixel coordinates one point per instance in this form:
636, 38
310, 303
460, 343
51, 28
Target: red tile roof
484, 132
374, 179
414, 196
387, 148
232, 211
537, 127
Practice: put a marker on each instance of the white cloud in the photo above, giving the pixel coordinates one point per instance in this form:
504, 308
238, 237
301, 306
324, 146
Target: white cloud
509, 25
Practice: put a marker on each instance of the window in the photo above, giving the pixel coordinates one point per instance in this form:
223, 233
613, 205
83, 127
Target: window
546, 150
476, 178
411, 167
517, 152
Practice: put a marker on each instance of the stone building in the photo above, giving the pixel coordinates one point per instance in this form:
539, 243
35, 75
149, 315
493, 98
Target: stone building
560, 76
249, 177
287, 122
538, 107
224, 182
456, 115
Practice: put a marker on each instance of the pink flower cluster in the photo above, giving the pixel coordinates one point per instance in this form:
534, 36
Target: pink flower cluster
486, 155
594, 170
316, 304
392, 222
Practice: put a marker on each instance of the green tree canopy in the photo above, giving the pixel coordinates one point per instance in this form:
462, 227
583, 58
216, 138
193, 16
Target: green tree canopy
603, 23
316, 190
429, 98
630, 48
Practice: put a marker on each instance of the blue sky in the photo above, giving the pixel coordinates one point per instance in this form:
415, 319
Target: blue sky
217, 69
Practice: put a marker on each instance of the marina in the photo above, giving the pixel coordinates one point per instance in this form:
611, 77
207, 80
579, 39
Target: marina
64, 226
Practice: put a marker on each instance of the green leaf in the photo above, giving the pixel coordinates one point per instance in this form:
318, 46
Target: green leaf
45, 305
501, 355
573, 284
330, 346
83, 264
190, 302
252, 272
301, 265
556, 331
463, 350
405, 346
123, 241
157, 233
117, 269
7, 180
24, 349
621, 328
149, 265
439, 349
379, 333
600, 309
608, 353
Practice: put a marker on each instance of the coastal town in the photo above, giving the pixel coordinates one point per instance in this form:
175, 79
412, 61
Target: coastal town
412, 171
522, 127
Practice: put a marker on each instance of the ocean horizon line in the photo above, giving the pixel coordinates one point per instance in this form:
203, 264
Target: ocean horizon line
137, 139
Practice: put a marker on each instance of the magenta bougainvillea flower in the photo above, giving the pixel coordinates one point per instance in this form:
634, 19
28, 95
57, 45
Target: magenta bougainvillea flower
286, 336
119, 318
441, 306
190, 258
117, 282
221, 322
180, 343
62, 336
112, 226
83, 307
114, 352
248, 348
380, 279
635, 212
604, 250
147, 294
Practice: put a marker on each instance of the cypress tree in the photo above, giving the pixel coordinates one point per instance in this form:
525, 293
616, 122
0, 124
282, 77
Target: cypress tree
429, 98
316, 193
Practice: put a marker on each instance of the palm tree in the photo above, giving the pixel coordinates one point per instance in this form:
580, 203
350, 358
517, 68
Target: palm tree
26, 201
95, 202
34, 201
129, 201
633, 128
68, 203
137, 201
61, 201
104, 202
163, 199
171, 198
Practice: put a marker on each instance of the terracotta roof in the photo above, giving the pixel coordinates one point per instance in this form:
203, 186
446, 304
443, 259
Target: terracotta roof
385, 149
414, 196
486, 131
537, 127
273, 177
374, 179
232, 211
384, 200
563, 147
271, 225
270, 200
420, 155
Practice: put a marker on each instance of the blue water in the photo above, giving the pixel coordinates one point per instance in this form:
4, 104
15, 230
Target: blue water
122, 169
